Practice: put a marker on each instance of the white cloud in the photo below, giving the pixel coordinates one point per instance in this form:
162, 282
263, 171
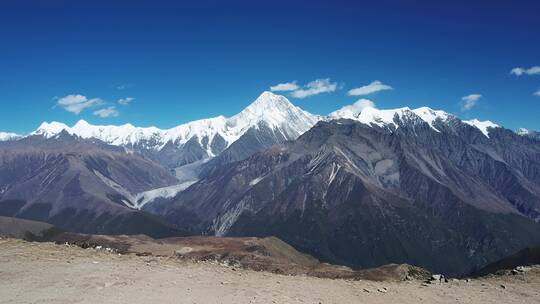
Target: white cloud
107, 112
77, 103
125, 101
537, 93
315, 87
287, 86
352, 111
371, 88
535, 70
468, 102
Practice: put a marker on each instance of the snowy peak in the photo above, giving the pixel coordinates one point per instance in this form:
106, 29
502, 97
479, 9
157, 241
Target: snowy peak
51, 129
115, 135
268, 101
369, 115
431, 116
522, 131
351, 111
393, 117
483, 126
276, 111
4, 136
270, 110
381, 118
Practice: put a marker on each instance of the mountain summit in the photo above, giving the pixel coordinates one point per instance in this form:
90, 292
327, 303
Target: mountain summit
275, 111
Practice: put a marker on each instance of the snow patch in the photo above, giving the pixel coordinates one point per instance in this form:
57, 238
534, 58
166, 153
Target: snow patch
483, 126
333, 174
139, 200
256, 181
144, 198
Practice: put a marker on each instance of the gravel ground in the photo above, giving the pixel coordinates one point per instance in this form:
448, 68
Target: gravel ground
49, 273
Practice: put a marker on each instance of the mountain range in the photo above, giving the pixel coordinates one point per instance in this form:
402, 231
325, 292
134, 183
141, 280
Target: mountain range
360, 187
269, 119
271, 116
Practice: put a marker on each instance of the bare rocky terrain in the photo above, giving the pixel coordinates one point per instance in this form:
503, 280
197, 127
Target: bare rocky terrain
260, 254
33, 272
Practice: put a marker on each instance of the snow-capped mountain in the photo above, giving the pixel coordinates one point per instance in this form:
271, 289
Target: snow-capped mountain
199, 139
528, 133
522, 131
4, 136
275, 111
270, 119
393, 118
483, 126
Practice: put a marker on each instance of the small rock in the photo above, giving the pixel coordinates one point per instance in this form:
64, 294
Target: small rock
367, 290
383, 290
521, 268
437, 277
502, 286
99, 247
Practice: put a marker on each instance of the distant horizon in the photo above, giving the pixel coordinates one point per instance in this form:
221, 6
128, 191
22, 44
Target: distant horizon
165, 63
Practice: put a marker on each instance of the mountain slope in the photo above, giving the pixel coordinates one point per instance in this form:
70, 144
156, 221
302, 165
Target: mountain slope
387, 187
79, 185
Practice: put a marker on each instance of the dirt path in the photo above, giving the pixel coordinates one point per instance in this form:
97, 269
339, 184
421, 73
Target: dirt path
48, 273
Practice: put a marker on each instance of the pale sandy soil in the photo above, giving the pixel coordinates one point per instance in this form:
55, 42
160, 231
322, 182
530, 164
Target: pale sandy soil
48, 273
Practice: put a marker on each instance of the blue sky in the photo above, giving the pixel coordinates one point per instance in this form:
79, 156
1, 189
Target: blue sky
184, 61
